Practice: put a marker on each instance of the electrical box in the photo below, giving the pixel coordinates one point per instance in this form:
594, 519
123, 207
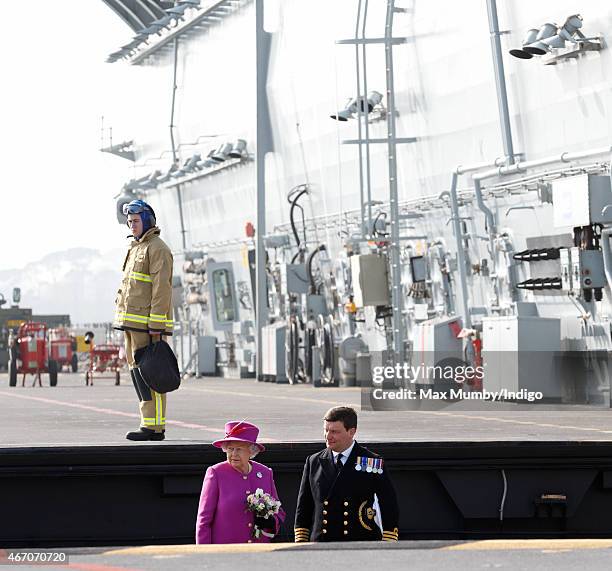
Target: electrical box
294, 278
579, 200
582, 269
222, 292
315, 305
591, 267
370, 283
435, 341
522, 353
273, 352
418, 268
207, 355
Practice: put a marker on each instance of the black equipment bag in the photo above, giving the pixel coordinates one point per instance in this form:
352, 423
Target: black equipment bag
158, 367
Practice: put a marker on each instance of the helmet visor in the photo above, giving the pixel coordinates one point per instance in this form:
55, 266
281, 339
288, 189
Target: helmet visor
131, 208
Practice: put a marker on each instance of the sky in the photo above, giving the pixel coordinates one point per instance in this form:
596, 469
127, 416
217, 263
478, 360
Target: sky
57, 187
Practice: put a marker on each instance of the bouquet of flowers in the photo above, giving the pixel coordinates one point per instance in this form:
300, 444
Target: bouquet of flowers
263, 506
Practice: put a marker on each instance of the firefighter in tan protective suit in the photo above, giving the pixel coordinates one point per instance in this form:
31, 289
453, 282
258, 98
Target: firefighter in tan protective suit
144, 309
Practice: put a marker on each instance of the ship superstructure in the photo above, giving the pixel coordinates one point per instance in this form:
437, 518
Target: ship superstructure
355, 185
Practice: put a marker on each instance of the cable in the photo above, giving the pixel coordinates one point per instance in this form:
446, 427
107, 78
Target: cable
292, 197
503, 500
313, 287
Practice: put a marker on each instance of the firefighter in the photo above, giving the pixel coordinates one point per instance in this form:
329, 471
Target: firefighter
144, 309
343, 487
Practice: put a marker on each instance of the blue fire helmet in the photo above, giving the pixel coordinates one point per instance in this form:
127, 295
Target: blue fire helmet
147, 214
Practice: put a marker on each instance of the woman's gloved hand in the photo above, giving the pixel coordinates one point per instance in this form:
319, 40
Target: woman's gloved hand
265, 523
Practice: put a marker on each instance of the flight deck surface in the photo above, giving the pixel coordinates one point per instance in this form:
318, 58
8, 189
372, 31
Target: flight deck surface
75, 414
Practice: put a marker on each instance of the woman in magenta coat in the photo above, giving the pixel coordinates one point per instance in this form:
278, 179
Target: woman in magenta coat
222, 514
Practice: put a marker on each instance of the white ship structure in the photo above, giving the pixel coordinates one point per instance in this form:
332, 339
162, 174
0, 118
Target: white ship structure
354, 185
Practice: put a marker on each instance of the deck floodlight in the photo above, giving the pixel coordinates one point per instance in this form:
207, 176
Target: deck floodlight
571, 26
154, 177
178, 10
529, 39
222, 152
347, 113
373, 99
364, 104
192, 162
163, 22
239, 149
539, 48
207, 162
556, 42
168, 174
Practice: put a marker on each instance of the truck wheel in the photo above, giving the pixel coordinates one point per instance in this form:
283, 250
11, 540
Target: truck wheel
74, 363
12, 371
52, 373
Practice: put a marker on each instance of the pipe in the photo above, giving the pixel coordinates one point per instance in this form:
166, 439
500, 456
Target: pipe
461, 262
359, 113
490, 218
366, 114
500, 81
179, 196
465, 169
526, 165
605, 246
394, 215
264, 145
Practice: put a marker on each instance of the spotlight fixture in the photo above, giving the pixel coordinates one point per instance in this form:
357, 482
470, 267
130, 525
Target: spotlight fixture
364, 104
538, 47
168, 174
551, 37
373, 99
347, 113
189, 165
178, 10
529, 39
208, 161
239, 149
222, 152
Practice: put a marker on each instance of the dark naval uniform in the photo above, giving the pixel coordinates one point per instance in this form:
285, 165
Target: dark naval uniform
337, 505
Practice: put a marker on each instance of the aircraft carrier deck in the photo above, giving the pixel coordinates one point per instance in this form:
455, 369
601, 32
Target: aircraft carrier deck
460, 474
72, 414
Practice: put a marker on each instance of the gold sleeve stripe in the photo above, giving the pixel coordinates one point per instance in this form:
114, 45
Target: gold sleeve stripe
301, 529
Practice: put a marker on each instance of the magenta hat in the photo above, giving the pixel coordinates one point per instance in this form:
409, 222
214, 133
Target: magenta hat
240, 431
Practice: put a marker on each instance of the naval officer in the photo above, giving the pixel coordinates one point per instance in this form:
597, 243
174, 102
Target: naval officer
336, 499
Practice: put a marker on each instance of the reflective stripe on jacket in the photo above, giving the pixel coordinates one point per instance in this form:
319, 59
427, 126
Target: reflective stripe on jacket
144, 300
